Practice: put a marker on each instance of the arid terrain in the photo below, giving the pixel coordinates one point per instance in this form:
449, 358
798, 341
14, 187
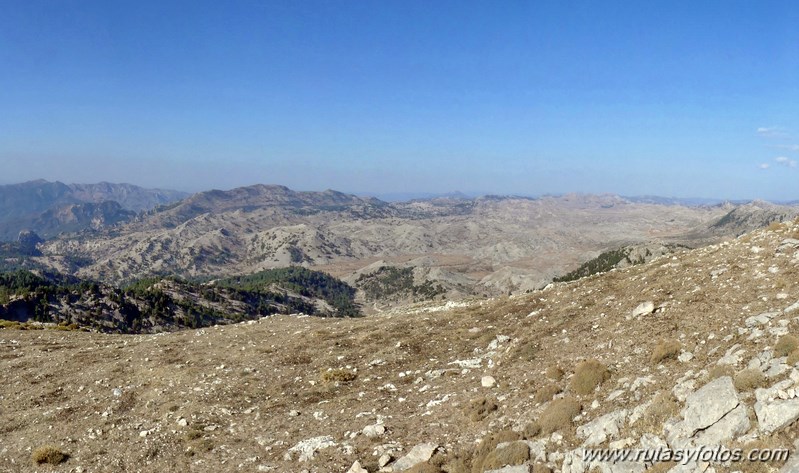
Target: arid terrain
694, 348
444, 249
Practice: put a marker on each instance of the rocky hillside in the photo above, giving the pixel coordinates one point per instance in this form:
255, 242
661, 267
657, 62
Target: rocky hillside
488, 245
696, 348
50, 208
166, 304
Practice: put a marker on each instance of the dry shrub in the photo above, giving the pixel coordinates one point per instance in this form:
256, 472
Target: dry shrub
531, 430
663, 407
424, 468
749, 379
339, 376
49, 454
719, 371
488, 445
665, 350
559, 415
513, 454
756, 466
555, 373
526, 351
480, 408
785, 345
541, 468
588, 375
546, 393
793, 358
774, 226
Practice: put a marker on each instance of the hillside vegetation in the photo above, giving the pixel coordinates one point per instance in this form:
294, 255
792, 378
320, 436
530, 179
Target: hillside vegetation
166, 304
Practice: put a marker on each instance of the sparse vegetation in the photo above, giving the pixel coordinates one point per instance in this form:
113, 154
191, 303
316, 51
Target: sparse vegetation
515, 453
559, 415
720, 370
49, 455
588, 375
488, 445
793, 358
338, 376
665, 350
546, 393
555, 373
390, 282
480, 408
785, 345
749, 379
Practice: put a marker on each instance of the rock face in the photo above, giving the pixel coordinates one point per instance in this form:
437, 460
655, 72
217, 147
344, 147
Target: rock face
774, 409
713, 415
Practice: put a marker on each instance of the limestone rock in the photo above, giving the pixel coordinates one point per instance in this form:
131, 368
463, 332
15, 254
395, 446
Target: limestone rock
418, 454
308, 448
357, 468
374, 431
710, 403
777, 414
643, 308
603, 428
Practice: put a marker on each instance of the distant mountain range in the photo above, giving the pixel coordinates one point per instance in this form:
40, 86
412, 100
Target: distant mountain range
444, 247
49, 208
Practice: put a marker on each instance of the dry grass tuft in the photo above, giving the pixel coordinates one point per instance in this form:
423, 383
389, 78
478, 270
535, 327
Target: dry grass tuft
516, 453
719, 371
555, 373
488, 445
663, 407
340, 376
531, 430
49, 454
480, 408
749, 379
546, 393
425, 468
588, 375
793, 358
665, 350
559, 415
785, 345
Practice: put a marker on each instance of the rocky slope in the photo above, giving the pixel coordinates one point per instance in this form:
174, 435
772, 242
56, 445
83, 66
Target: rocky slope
690, 349
475, 246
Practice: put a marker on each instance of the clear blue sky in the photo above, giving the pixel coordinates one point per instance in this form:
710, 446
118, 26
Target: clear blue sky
677, 98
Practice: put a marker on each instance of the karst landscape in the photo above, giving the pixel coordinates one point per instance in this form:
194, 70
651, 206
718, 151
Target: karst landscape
312, 332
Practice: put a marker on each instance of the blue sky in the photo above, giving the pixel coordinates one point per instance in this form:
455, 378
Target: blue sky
672, 98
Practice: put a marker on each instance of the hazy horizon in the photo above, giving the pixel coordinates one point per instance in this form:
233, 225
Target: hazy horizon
522, 98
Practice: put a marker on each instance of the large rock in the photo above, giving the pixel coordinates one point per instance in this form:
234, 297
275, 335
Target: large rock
418, 454
357, 468
776, 414
707, 405
602, 428
734, 423
643, 308
713, 415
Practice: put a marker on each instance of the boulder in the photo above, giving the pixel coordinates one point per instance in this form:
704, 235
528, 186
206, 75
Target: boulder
602, 428
418, 454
